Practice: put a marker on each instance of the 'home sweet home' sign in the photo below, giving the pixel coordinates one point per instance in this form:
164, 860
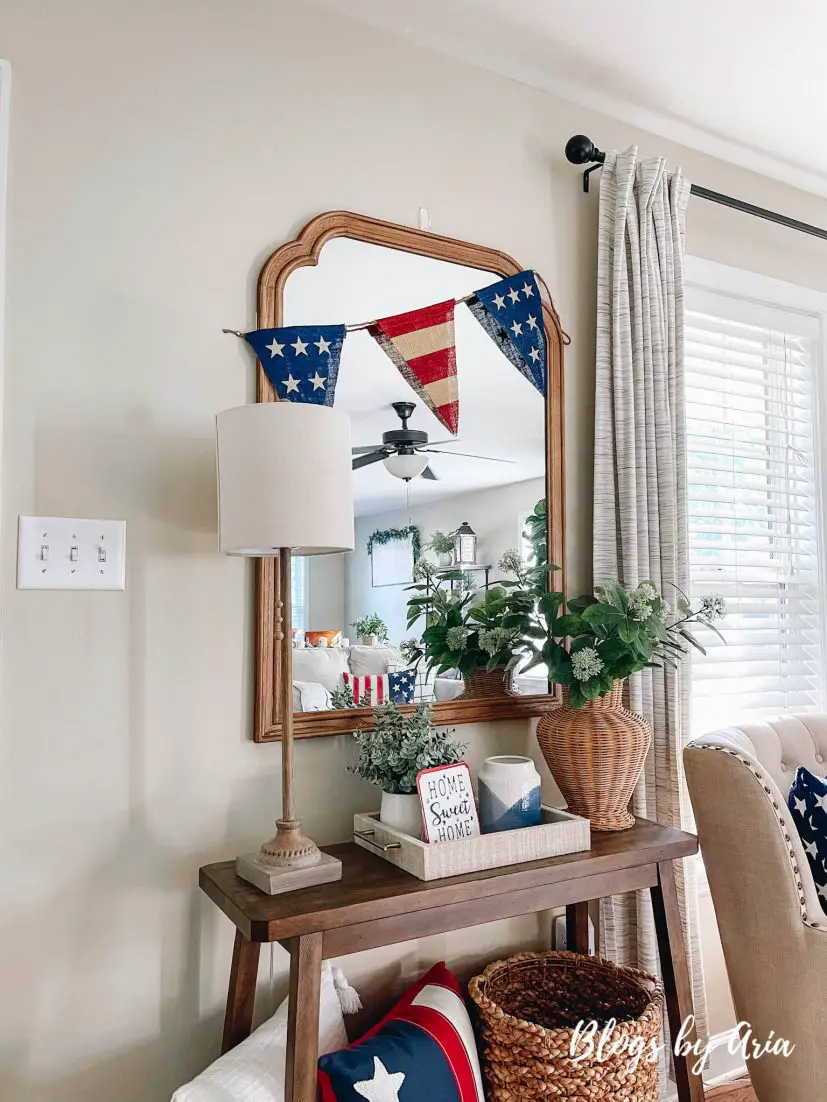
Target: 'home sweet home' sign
449, 812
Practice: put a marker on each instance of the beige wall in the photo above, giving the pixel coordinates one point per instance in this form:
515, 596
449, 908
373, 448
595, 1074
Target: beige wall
159, 152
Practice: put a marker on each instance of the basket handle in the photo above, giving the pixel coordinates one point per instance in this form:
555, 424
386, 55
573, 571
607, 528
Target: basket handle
367, 836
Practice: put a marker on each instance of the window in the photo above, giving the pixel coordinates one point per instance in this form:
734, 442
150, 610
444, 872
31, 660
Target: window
753, 494
298, 592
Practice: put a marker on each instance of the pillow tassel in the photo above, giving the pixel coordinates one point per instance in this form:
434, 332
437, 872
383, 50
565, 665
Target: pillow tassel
348, 996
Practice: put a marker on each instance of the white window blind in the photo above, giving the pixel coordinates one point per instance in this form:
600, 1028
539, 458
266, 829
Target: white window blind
753, 506
299, 591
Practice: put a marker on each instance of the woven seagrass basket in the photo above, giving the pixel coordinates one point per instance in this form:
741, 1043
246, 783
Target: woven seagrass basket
487, 684
529, 1006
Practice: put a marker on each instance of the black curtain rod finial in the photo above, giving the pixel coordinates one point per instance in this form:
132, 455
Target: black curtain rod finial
581, 150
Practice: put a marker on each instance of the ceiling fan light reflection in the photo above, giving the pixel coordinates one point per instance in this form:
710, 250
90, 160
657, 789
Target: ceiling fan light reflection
406, 466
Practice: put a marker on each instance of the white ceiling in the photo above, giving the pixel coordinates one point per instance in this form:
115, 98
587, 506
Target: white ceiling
500, 413
739, 79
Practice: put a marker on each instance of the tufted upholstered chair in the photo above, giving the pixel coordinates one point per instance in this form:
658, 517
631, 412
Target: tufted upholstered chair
773, 927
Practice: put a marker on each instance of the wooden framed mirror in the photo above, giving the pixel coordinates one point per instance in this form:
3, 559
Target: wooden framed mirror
352, 268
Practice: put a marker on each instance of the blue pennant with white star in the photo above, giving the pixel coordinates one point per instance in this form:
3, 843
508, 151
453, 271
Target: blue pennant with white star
511, 313
301, 361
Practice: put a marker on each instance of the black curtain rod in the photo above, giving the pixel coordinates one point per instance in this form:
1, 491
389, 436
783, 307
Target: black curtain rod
581, 150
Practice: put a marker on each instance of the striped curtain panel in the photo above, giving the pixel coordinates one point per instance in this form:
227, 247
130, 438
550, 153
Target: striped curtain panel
640, 524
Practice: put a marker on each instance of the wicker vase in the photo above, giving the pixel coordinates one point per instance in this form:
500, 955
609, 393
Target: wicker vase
486, 684
596, 756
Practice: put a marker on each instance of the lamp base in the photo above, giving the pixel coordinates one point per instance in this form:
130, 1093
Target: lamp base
289, 849
276, 881
288, 862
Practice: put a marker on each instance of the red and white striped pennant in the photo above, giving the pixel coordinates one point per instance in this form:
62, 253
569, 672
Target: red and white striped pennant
422, 345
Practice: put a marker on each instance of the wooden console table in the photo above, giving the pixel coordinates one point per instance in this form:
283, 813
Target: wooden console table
377, 904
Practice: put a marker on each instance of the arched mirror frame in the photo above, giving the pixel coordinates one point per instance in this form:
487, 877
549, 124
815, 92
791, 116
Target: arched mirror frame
299, 253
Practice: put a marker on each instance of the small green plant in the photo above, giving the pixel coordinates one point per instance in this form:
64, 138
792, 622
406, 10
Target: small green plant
371, 625
442, 543
400, 746
341, 697
605, 636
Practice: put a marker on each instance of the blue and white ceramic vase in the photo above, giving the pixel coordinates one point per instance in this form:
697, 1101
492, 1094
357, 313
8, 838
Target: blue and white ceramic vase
508, 794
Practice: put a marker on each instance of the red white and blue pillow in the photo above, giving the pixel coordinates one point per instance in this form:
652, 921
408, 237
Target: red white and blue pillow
372, 689
808, 806
423, 1051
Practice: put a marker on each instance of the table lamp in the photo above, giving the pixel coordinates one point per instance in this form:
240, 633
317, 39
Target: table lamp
284, 488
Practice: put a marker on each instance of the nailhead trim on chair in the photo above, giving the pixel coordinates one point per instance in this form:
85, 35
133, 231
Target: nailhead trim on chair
781, 822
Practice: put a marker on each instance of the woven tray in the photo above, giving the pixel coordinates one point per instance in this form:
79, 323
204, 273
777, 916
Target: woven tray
558, 833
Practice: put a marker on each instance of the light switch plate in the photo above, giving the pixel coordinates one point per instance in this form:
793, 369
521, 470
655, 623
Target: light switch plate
66, 553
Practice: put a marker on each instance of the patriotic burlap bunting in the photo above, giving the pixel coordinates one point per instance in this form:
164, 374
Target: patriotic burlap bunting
302, 361
421, 344
511, 313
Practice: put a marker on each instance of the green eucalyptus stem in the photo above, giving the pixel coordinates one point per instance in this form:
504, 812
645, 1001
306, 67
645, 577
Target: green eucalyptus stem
400, 746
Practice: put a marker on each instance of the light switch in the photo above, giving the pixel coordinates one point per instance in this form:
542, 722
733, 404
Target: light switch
66, 553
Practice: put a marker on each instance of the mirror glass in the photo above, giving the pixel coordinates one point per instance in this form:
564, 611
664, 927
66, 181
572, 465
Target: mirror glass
481, 484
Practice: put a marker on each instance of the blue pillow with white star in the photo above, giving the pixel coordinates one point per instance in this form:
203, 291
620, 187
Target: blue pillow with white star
808, 805
423, 1051
401, 686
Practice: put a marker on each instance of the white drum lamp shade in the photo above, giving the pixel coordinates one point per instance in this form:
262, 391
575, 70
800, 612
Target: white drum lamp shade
284, 480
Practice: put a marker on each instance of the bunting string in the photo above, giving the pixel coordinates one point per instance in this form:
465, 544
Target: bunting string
302, 361
353, 328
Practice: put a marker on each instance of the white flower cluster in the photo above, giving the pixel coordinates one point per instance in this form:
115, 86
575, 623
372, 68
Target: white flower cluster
455, 637
640, 601
713, 607
586, 663
511, 562
494, 639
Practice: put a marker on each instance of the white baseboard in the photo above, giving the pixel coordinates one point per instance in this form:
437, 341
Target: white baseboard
722, 1065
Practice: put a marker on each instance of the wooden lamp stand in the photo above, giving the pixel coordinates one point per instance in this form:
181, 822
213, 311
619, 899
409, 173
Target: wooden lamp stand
272, 502
289, 860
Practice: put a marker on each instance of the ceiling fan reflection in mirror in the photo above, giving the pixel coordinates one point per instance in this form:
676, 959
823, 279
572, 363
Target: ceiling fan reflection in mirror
404, 452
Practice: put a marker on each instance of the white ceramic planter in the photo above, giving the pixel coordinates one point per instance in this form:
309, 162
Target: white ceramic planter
445, 559
402, 812
508, 794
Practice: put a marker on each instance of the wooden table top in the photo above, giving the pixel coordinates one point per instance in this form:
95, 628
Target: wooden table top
372, 888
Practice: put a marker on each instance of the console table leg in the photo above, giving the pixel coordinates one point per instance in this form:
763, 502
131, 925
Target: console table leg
577, 928
672, 950
241, 995
303, 1018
